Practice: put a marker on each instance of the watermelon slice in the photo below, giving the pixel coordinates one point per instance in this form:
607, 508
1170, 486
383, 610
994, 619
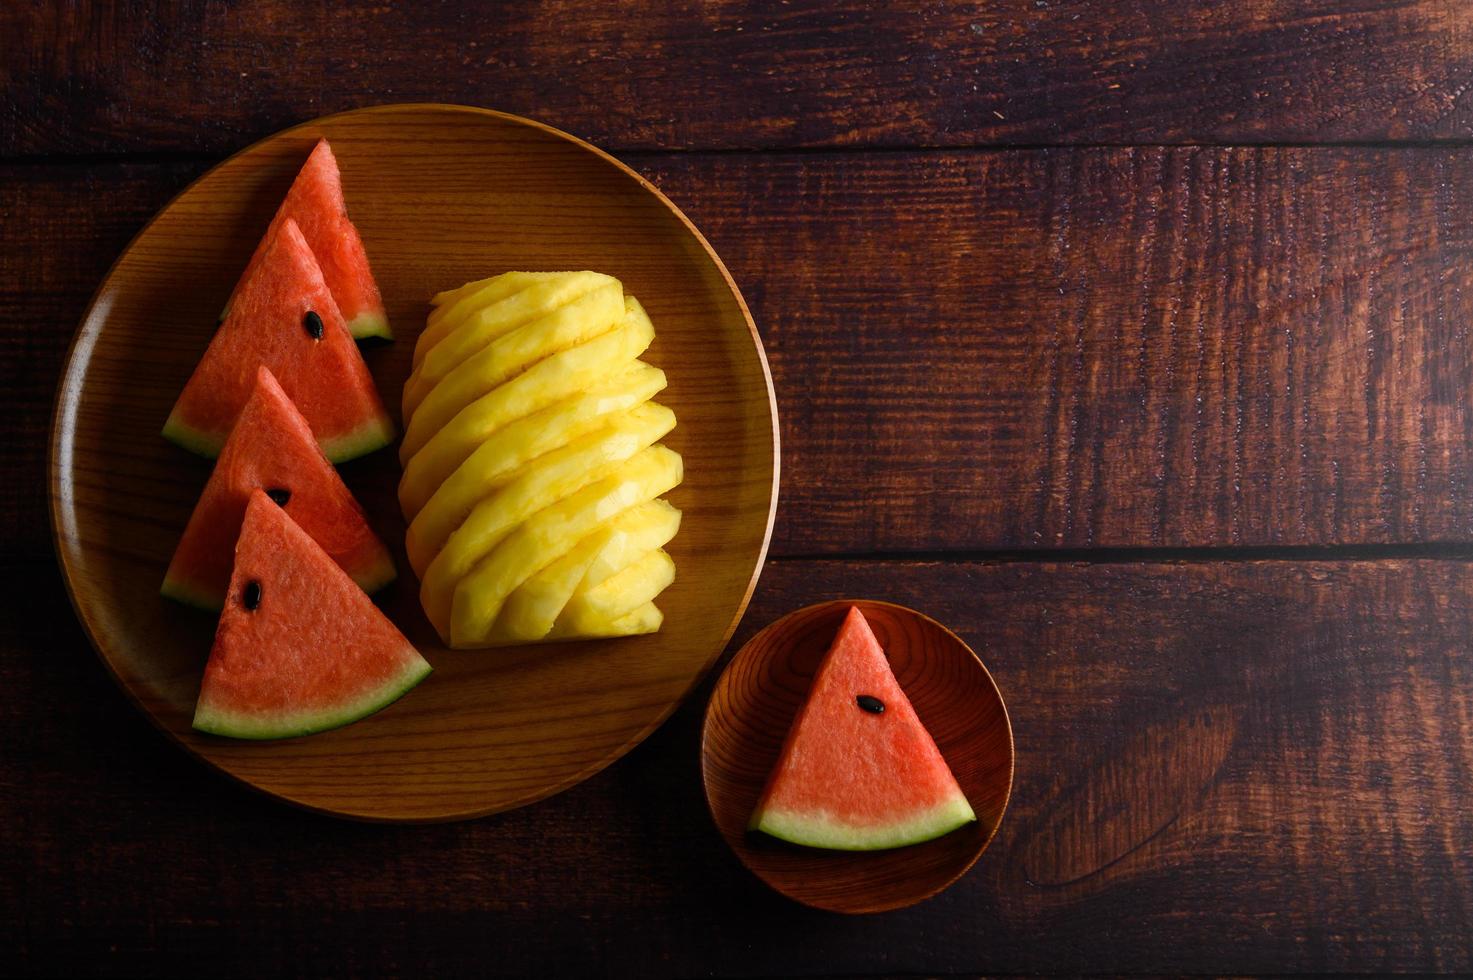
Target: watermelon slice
315, 203
300, 648
859, 772
271, 447
285, 319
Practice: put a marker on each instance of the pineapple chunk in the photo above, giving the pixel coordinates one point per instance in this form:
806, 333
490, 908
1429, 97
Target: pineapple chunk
548, 480
646, 619
475, 332
507, 281
532, 609
547, 536
544, 384
596, 312
616, 596
501, 457
455, 305
621, 552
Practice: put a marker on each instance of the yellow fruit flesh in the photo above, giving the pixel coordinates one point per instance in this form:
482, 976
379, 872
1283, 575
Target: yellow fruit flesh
617, 595
597, 312
645, 619
501, 457
453, 307
533, 608
447, 298
621, 552
481, 328
545, 383
551, 479
548, 535
660, 524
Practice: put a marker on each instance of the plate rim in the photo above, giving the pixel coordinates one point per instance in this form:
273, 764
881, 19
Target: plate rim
70, 384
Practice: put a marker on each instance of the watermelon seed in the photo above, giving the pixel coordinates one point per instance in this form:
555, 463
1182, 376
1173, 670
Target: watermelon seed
252, 596
871, 704
313, 323
279, 494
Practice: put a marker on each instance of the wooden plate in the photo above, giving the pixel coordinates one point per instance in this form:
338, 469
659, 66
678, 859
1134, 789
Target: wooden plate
441, 194
753, 707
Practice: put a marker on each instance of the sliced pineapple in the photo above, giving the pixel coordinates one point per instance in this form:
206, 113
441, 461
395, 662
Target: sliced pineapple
596, 312
625, 550
446, 298
646, 619
455, 305
531, 469
653, 526
550, 479
545, 537
500, 458
545, 383
618, 595
534, 607
475, 332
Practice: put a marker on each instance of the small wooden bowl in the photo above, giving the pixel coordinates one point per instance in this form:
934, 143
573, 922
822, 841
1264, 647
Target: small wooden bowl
753, 707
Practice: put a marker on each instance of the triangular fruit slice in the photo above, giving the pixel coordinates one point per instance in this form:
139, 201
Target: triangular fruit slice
315, 203
284, 318
272, 448
300, 648
859, 772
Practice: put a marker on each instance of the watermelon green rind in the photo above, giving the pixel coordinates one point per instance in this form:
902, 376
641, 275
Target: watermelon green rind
182, 591
817, 829
185, 436
371, 324
258, 727
376, 576
371, 436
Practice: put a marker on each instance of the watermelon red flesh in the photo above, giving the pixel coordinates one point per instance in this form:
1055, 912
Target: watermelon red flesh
315, 203
267, 326
855, 780
314, 653
272, 448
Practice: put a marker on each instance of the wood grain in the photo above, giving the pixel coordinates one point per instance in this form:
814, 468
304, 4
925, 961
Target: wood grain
1225, 767
190, 75
441, 196
1309, 726
1125, 348
1020, 350
53, 254
751, 712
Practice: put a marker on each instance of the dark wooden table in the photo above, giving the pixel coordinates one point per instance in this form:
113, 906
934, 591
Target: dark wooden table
1134, 340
